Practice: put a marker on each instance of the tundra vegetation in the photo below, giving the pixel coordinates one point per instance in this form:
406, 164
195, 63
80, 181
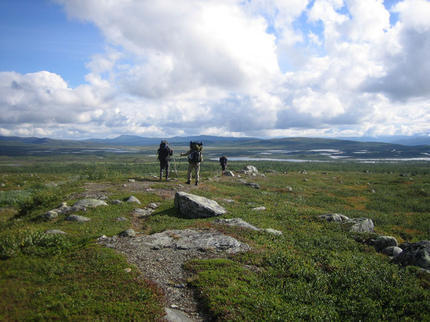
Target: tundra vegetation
316, 270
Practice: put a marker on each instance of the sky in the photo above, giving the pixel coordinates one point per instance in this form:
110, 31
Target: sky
75, 69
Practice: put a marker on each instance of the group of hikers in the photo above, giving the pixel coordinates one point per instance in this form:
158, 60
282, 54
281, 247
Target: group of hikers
194, 155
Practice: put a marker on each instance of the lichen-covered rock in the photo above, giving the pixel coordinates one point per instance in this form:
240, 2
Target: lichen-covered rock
334, 217
189, 239
89, 203
417, 254
382, 242
192, 206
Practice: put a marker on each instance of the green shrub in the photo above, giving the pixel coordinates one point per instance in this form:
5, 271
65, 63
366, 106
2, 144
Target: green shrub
32, 243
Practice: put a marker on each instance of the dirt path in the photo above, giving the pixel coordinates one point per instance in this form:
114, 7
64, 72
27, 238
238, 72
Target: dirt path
160, 263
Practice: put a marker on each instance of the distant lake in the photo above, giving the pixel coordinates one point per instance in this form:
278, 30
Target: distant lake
391, 160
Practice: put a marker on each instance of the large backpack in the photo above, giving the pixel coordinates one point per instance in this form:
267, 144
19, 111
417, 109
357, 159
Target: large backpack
164, 152
196, 152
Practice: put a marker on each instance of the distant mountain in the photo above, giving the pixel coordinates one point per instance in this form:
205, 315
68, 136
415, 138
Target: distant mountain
133, 140
234, 146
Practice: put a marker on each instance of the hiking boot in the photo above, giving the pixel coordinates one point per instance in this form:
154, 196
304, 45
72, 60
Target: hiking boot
197, 183
188, 182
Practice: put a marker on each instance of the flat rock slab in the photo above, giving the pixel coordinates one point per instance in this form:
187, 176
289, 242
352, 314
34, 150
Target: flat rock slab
89, 203
192, 206
238, 222
160, 258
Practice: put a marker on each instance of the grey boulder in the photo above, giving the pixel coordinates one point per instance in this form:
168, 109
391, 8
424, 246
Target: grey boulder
382, 242
361, 225
192, 206
417, 254
392, 251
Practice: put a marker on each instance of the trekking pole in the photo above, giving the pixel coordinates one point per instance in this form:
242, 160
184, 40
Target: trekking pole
174, 164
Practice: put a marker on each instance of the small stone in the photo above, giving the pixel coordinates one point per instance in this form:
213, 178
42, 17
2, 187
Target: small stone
102, 237
124, 185
51, 214
253, 185
228, 173
121, 219
237, 222
116, 202
228, 200
153, 205
273, 231
142, 212
89, 203
262, 208
127, 270
77, 218
133, 199
128, 233
334, 217
289, 188
55, 232
131, 180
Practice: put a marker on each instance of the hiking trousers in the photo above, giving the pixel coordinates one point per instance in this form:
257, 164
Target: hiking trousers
196, 168
164, 166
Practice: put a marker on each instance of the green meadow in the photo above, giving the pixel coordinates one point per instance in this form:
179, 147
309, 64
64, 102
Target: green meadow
314, 271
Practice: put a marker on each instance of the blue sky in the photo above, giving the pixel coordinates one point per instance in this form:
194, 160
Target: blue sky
36, 35
88, 68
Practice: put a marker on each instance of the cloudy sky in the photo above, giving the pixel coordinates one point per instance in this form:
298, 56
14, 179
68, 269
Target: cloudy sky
266, 68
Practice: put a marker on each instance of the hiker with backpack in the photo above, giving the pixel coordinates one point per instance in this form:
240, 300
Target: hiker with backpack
164, 153
223, 162
194, 158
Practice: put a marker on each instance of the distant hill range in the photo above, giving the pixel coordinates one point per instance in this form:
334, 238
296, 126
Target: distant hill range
124, 143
